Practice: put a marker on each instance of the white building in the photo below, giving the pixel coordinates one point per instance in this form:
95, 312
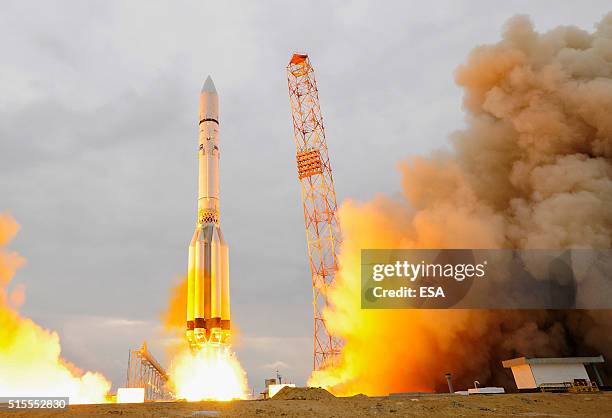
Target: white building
532, 373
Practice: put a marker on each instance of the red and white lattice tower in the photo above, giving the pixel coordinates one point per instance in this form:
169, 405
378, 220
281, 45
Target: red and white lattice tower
318, 197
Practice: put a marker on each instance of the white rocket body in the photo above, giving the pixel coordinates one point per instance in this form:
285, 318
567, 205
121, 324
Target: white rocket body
208, 303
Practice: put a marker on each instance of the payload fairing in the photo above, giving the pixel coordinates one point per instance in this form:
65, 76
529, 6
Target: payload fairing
208, 301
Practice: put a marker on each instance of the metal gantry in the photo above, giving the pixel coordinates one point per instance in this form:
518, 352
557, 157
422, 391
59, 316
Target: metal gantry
145, 372
318, 197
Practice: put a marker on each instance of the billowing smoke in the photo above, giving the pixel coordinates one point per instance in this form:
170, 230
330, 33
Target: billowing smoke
533, 169
30, 356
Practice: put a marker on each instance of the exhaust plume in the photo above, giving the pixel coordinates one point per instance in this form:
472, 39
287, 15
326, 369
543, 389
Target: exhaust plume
30, 360
533, 169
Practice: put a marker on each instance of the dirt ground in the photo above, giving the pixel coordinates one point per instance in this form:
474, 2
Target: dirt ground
525, 405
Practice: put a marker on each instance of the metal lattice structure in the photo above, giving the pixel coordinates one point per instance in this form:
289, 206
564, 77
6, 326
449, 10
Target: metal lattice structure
145, 372
318, 197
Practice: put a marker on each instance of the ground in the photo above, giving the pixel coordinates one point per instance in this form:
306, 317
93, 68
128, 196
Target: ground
526, 405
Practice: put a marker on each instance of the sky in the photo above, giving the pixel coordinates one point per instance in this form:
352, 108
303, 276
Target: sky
98, 149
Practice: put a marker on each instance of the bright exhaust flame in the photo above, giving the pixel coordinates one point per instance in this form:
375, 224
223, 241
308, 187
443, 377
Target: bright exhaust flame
211, 373
30, 360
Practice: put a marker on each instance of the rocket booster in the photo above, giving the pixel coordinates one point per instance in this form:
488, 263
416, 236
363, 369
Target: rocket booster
208, 301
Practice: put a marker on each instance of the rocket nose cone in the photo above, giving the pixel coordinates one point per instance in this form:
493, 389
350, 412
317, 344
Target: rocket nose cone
209, 86
209, 101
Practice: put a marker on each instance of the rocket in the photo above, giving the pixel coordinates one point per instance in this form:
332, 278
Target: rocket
208, 302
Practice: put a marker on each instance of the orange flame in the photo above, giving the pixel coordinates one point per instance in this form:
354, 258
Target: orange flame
30, 360
387, 350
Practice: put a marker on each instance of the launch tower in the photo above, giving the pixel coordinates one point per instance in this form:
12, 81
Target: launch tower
318, 197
